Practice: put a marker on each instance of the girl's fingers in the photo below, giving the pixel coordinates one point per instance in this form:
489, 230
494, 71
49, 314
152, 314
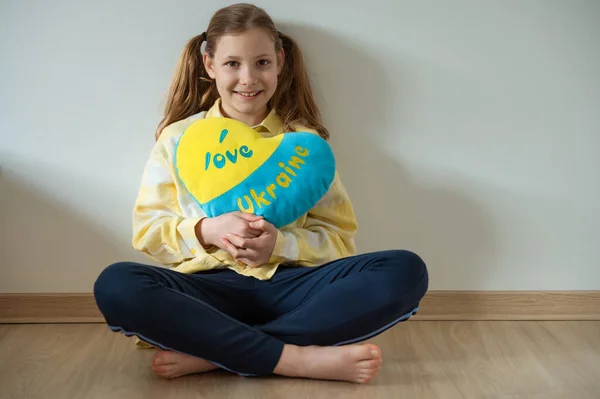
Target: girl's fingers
244, 243
238, 252
262, 225
236, 240
255, 233
248, 216
229, 247
259, 224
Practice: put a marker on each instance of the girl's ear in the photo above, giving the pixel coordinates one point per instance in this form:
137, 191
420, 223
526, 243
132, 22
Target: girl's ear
280, 60
208, 65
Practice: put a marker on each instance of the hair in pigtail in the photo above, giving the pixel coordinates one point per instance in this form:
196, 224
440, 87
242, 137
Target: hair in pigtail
293, 98
191, 90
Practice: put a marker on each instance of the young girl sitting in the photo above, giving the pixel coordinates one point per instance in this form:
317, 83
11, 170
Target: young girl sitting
238, 293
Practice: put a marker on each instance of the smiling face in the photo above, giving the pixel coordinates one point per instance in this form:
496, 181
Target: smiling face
245, 69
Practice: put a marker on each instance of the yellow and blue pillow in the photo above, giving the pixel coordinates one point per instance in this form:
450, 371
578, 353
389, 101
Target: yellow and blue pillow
227, 166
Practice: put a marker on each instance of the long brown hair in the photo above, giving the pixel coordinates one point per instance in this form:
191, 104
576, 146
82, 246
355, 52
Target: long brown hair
193, 91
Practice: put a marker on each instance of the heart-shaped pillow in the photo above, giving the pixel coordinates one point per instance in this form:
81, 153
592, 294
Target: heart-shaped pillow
227, 166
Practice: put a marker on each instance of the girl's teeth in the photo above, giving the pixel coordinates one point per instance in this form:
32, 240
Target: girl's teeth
249, 94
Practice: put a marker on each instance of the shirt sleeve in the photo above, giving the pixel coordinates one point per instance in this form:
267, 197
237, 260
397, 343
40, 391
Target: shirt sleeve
327, 234
159, 230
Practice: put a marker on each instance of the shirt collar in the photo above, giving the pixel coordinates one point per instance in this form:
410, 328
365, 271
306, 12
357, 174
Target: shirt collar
271, 124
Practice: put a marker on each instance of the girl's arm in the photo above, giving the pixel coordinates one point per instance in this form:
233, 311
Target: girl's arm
327, 234
159, 230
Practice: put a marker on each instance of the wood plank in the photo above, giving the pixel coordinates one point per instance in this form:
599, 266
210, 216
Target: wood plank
437, 305
49, 308
421, 359
510, 305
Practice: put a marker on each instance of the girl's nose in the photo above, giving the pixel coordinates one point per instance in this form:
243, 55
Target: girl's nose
248, 76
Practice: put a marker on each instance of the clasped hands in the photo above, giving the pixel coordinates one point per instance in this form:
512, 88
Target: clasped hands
249, 238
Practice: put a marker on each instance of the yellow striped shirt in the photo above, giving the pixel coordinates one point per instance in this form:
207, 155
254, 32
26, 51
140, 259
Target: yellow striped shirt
165, 215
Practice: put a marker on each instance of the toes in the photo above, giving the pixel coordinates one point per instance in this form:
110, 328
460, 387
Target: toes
366, 377
161, 357
158, 359
370, 355
370, 364
163, 371
363, 379
370, 351
374, 351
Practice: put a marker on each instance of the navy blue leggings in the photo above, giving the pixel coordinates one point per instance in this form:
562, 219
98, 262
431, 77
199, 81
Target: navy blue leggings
241, 323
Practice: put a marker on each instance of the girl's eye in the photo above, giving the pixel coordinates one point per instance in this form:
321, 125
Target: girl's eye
232, 64
263, 62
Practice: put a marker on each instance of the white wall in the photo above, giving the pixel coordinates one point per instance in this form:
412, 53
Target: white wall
467, 131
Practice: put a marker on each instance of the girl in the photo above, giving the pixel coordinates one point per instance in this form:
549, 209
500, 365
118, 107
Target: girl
240, 294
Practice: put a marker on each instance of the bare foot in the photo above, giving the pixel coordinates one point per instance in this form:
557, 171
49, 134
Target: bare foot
357, 363
171, 364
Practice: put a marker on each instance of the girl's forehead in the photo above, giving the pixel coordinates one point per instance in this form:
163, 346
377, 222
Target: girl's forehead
250, 43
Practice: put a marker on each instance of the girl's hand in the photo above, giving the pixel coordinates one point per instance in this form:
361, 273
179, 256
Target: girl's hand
252, 251
212, 230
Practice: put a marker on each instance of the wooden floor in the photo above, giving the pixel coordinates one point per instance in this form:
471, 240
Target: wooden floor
422, 359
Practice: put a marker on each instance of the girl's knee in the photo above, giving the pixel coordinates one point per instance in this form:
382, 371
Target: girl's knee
114, 283
413, 262
407, 269
404, 261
